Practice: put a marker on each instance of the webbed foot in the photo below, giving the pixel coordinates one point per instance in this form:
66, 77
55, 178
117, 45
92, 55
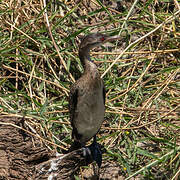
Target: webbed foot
96, 153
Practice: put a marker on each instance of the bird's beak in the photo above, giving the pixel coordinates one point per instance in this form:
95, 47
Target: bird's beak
111, 38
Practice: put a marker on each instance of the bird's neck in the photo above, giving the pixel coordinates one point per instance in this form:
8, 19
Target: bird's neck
88, 64
84, 55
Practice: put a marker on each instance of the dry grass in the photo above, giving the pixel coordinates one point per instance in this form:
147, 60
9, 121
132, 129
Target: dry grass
141, 74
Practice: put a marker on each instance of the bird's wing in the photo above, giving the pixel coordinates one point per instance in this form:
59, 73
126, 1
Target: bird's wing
73, 96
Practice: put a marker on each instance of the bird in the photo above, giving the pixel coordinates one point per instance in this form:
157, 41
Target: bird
87, 99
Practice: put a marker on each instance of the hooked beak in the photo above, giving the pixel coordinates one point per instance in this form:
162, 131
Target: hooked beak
111, 38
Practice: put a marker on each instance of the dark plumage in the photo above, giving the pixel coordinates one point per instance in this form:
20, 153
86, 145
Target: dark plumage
87, 98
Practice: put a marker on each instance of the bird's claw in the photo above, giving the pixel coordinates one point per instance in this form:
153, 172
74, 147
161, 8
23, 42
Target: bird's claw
96, 153
86, 151
93, 152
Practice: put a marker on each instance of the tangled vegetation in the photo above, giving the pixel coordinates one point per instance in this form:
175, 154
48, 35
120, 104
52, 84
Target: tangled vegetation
141, 71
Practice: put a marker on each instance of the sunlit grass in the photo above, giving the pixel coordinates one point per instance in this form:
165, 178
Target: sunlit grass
142, 125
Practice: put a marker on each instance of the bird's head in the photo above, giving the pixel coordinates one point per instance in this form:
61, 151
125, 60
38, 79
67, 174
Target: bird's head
93, 40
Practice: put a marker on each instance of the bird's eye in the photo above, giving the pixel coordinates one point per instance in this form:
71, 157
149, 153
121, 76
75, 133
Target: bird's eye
102, 39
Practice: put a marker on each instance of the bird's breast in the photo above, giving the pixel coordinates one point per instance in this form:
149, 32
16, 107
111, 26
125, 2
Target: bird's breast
90, 111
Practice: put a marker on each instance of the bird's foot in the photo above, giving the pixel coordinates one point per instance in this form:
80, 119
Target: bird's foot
93, 152
96, 153
86, 152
